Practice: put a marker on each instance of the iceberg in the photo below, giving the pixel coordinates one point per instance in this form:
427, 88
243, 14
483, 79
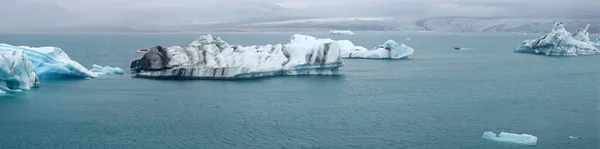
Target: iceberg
597, 42
341, 32
524, 139
51, 62
213, 58
560, 42
388, 50
16, 72
106, 70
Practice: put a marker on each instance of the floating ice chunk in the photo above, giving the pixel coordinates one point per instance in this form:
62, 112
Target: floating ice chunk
573, 137
106, 70
51, 62
389, 50
341, 32
524, 139
559, 42
16, 72
213, 58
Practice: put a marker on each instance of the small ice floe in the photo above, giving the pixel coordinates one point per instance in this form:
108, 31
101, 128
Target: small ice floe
574, 138
524, 139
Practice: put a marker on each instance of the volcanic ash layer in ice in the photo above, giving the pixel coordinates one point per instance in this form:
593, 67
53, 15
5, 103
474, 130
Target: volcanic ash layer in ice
213, 58
560, 42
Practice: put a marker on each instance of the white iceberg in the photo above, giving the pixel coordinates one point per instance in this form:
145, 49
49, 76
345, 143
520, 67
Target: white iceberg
560, 42
341, 32
51, 62
16, 72
106, 70
389, 50
525, 139
213, 58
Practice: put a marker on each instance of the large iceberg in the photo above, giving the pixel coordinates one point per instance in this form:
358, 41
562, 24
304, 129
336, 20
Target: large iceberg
213, 58
389, 50
16, 72
51, 62
341, 32
560, 42
525, 139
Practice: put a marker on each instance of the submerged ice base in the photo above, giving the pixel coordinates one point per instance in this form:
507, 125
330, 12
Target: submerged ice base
560, 42
389, 50
525, 139
213, 58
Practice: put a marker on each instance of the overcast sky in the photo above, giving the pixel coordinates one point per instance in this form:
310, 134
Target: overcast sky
131, 12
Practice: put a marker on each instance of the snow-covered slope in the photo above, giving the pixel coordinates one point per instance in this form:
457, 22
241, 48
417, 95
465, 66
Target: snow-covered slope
389, 50
213, 58
16, 72
560, 42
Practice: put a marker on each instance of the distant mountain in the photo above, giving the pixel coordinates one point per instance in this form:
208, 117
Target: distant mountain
436, 24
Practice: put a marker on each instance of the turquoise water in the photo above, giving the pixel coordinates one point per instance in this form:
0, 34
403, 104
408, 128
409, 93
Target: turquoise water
439, 98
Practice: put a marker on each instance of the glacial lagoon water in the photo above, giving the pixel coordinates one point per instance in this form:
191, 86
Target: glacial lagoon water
439, 98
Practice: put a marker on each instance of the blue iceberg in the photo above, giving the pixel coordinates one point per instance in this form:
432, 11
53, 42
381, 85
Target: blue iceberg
388, 50
524, 139
560, 42
16, 72
51, 62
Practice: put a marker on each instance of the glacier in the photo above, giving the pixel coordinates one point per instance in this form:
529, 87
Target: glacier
213, 58
16, 72
106, 70
341, 32
560, 42
51, 62
524, 139
388, 50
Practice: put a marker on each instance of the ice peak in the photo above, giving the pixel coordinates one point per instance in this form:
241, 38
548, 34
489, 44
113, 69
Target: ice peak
209, 39
582, 34
559, 26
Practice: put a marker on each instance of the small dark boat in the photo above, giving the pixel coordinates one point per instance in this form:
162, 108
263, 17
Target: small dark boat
456, 48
